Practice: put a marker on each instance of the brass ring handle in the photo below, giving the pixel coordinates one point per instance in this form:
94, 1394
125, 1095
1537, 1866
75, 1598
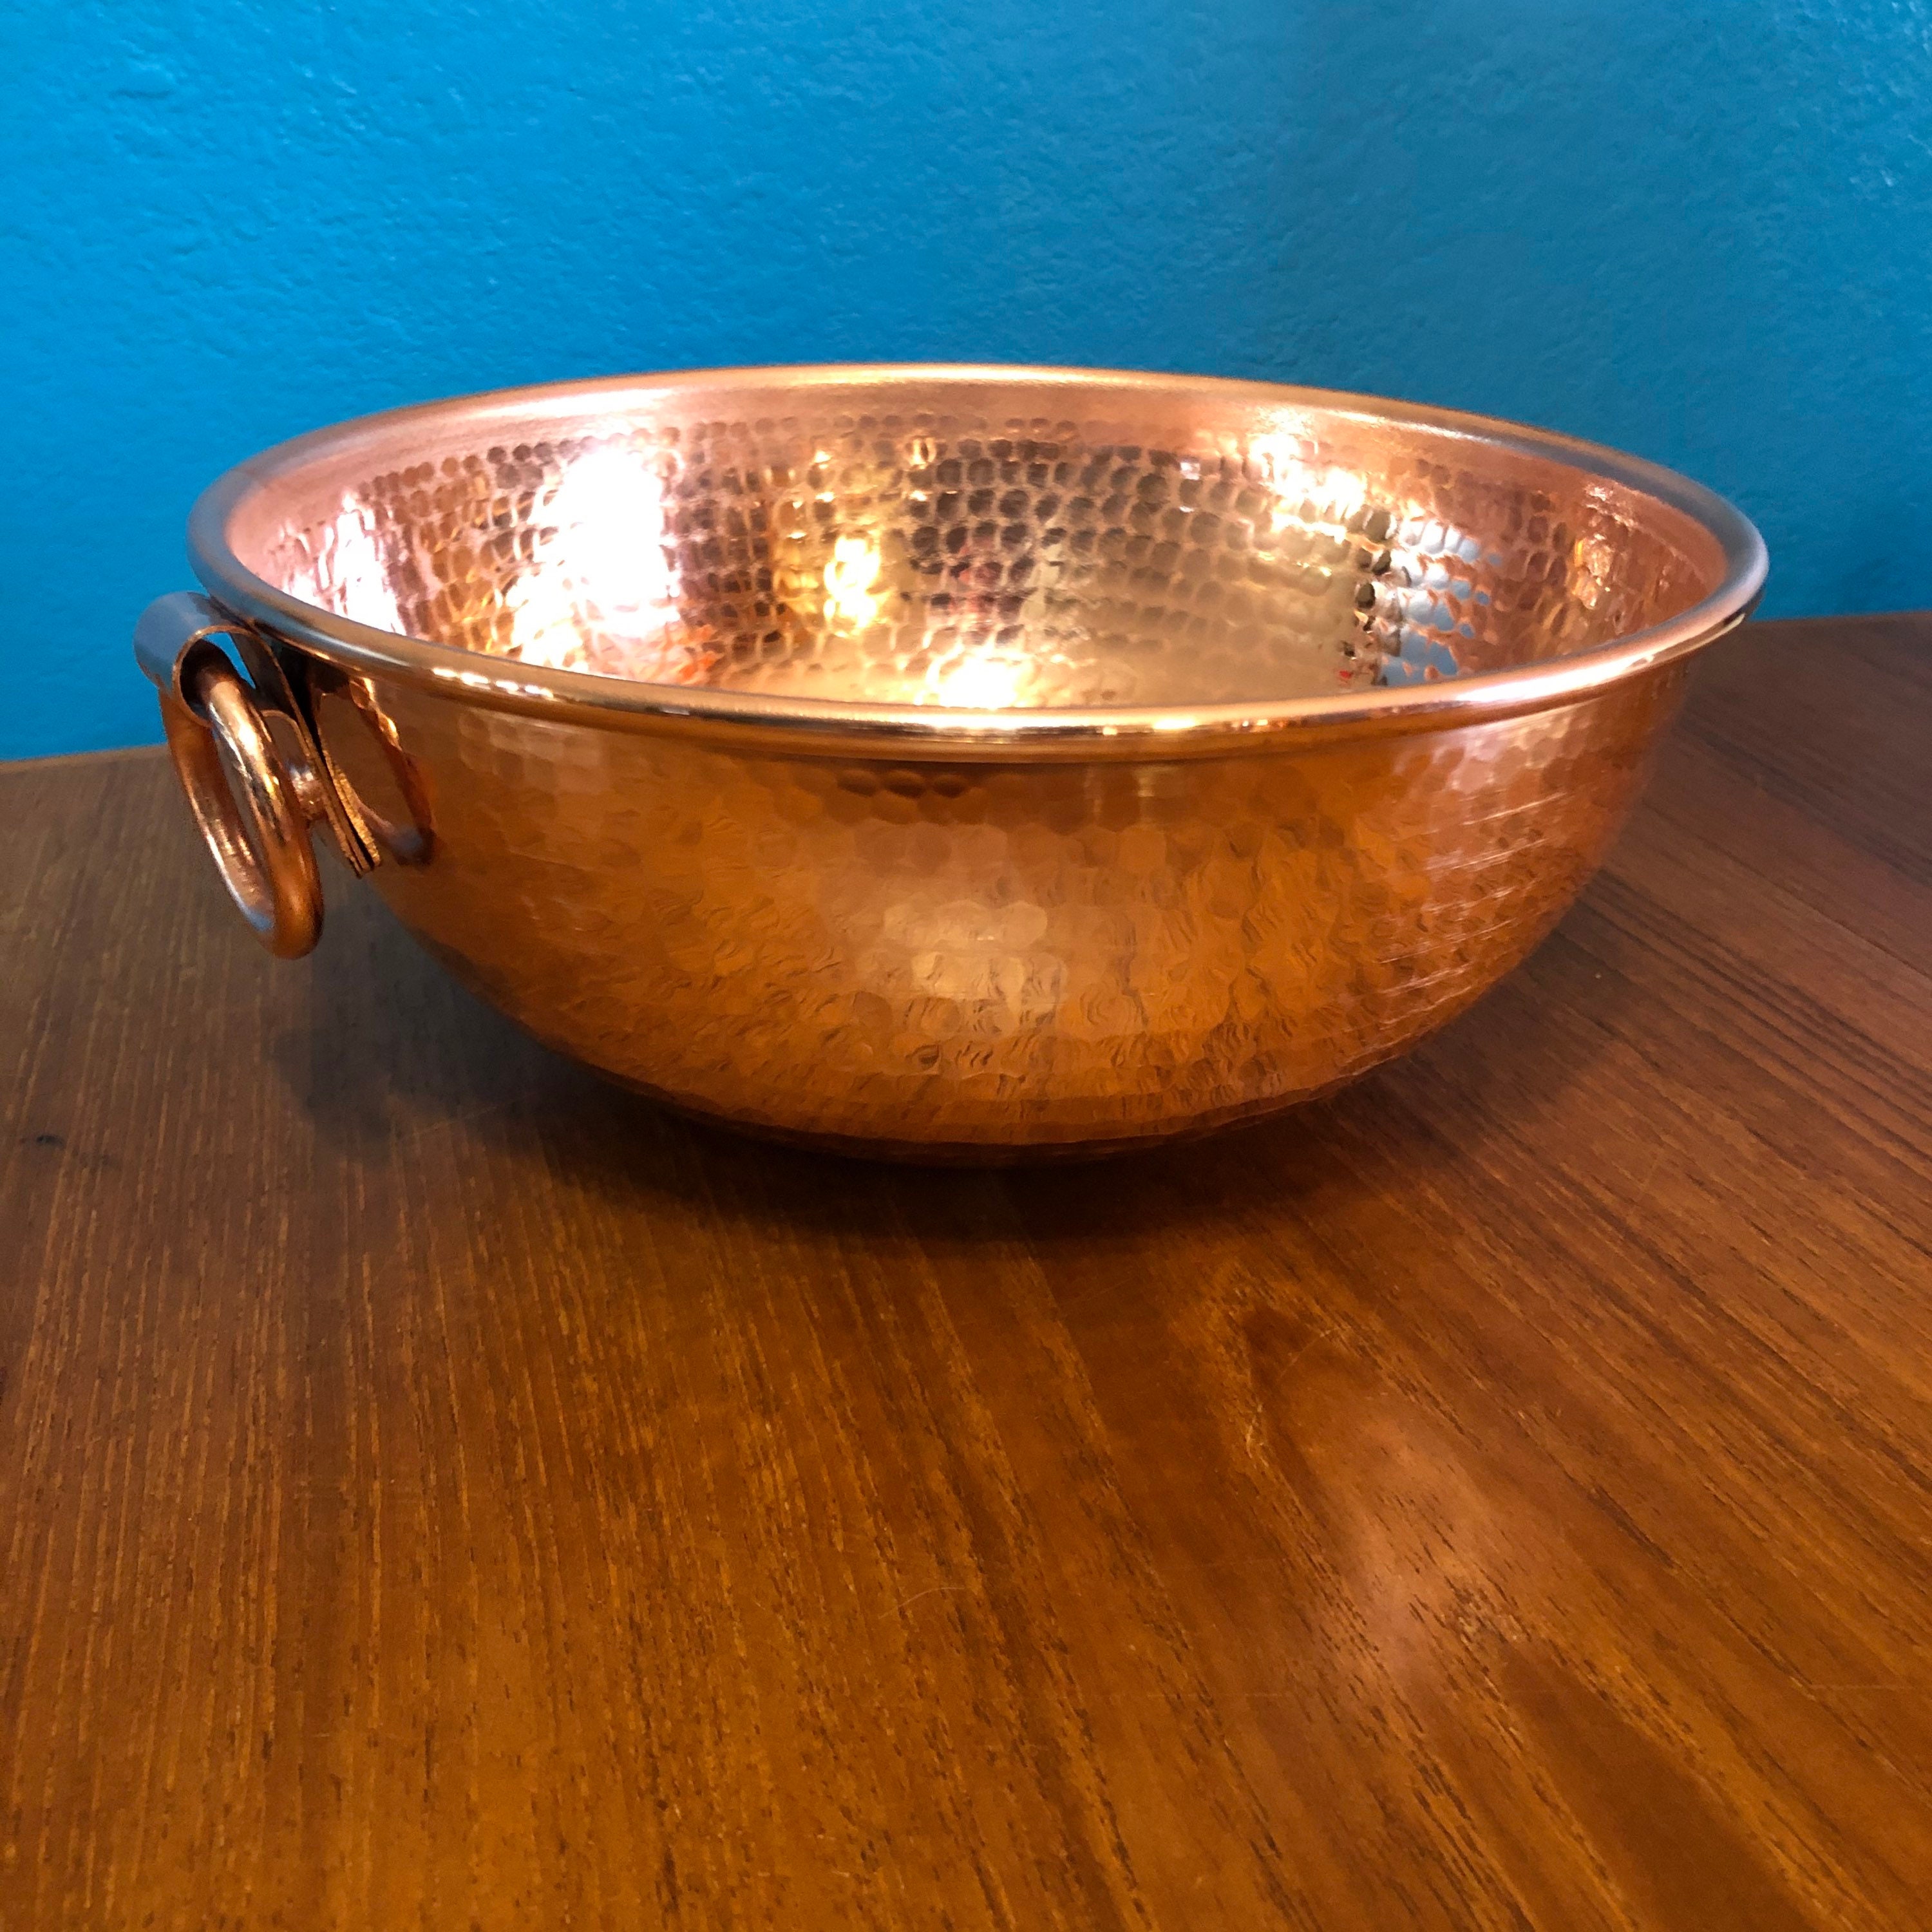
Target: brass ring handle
253, 810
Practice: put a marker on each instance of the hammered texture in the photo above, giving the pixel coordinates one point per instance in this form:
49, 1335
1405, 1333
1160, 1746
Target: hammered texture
970, 960
975, 559
897, 942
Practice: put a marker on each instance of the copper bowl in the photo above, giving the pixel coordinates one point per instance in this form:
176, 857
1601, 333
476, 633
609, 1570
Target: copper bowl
943, 762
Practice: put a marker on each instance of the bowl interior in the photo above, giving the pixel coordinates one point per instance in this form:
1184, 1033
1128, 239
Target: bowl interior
972, 539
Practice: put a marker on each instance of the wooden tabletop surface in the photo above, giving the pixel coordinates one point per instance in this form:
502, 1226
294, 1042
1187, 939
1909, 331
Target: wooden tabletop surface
437, 1490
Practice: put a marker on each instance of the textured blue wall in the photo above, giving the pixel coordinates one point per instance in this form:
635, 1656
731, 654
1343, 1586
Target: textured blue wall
1701, 228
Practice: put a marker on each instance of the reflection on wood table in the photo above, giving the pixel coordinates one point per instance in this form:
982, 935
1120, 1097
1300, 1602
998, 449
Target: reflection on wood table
436, 1490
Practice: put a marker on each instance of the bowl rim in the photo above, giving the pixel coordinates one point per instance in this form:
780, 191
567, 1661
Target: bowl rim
928, 730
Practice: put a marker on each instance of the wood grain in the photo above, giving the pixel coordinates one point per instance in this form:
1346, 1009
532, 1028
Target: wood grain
437, 1490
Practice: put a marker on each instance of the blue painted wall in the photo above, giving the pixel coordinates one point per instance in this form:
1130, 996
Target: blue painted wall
1701, 228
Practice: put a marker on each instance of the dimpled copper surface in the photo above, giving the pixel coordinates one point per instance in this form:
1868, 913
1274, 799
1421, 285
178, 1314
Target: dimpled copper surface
974, 557
948, 959
916, 932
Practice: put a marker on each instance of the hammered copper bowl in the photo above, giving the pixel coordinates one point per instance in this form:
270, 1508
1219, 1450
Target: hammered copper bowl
952, 763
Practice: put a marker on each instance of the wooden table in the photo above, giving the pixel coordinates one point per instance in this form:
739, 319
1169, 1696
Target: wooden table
437, 1490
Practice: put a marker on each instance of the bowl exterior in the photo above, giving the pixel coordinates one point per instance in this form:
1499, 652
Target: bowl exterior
972, 959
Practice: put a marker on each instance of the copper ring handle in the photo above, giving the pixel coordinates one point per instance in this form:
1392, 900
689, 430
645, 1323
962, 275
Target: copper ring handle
255, 804
244, 801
